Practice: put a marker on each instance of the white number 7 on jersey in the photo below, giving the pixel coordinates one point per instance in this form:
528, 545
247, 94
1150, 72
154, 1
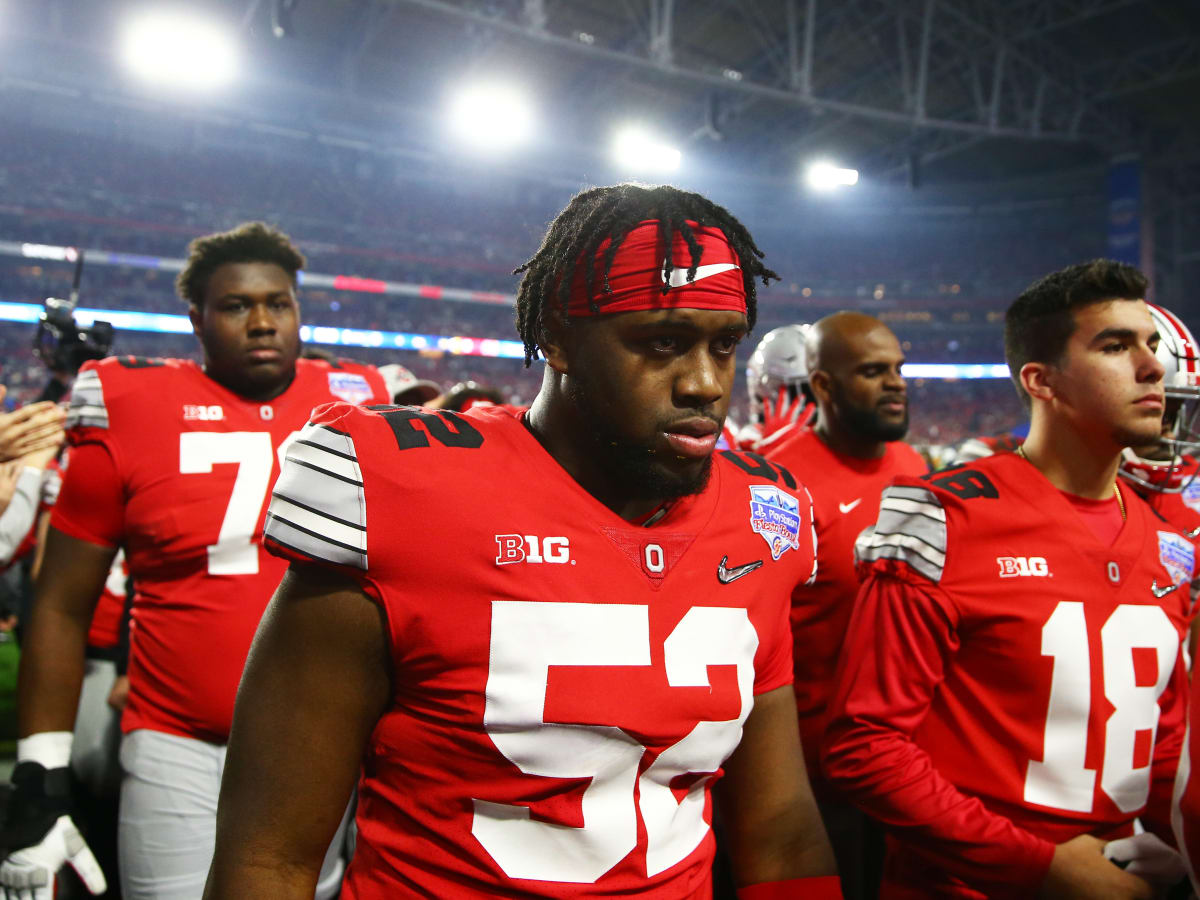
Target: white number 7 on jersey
234, 553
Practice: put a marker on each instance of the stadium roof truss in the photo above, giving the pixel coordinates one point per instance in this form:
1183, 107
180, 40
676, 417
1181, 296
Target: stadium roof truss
939, 76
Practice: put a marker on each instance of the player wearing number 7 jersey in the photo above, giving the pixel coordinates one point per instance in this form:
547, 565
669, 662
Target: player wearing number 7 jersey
174, 462
1012, 689
541, 638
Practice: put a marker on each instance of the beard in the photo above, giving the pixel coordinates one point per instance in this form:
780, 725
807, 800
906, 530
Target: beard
869, 424
635, 467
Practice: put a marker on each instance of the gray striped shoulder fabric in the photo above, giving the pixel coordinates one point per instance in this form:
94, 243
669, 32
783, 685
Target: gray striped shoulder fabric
317, 507
87, 402
911, 528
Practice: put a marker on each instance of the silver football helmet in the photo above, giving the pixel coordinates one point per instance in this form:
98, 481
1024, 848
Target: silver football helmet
778, 362
1175, 466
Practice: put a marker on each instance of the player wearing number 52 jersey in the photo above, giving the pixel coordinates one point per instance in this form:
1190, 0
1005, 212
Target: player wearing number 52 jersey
541, 637
584, 673
173, 462
1011, 693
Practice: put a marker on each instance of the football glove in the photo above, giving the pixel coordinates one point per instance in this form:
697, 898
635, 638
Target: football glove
39, 836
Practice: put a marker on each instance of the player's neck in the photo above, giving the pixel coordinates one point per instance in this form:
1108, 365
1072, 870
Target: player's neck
846, 443
558, 434
250, 392
1071, 461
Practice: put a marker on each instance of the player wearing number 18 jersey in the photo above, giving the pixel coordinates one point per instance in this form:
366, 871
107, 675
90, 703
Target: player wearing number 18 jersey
542, 637
174, 463
1012, 690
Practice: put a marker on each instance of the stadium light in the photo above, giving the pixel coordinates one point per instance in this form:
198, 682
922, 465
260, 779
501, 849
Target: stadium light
637, 150
179, 49
825, 176
491, 117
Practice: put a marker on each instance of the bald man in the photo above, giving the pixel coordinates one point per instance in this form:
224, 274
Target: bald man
847, 458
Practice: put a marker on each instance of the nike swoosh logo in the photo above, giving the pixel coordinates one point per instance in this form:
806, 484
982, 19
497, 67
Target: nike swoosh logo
1164, 590
679, 276
1193, 533
846, 507
728, 576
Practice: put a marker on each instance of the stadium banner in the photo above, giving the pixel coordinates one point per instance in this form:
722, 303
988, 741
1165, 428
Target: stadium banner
1125, 210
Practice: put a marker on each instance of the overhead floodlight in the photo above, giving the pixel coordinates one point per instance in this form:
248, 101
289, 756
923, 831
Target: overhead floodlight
825, 176
637, 150
491, 116
179, 49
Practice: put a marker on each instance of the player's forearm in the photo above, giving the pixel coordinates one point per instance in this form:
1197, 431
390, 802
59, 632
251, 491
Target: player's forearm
51, 671
892, 779
234, 878
783, 849
18, 517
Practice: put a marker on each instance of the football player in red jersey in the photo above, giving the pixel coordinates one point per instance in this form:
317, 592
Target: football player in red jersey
1164, 472
538, 639
846, 459
172, 461
777, 382
1011, 693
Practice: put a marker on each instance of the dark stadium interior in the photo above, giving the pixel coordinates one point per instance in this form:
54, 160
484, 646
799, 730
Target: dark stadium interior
983, 131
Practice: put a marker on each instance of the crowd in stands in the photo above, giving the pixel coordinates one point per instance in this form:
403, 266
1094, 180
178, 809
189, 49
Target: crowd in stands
939, 285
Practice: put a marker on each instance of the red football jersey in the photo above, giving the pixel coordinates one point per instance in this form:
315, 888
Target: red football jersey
105, 630
1008, 682
845, 492
185, 466
1185, 814
567, 684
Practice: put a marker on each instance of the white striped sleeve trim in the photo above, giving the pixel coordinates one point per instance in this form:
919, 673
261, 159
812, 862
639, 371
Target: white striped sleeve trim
318, 508
87, 402
911, 528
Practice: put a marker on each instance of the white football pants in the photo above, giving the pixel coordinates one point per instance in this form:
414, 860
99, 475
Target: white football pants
95, 749
168, 819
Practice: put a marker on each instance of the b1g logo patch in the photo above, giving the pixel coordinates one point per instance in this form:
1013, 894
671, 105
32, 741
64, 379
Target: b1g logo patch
1191, 495
1177, 556
775, 515
349, 387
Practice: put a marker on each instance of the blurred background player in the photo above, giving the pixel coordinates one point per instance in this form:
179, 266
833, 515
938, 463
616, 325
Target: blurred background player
406, 389
777, 383
1163, 472
1012, 690
174, 462
846, 458
642, 568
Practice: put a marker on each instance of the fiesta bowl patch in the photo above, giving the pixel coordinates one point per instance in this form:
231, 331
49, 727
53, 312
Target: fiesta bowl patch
775, 515
349, 387
1177, 556
1191, 495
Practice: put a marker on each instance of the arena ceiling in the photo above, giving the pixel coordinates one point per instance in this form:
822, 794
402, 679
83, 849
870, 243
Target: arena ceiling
924, 90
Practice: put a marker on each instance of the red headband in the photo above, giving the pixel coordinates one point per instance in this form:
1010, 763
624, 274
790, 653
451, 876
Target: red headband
638, 270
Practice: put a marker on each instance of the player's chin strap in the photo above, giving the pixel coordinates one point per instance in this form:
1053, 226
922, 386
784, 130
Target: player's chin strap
823, 887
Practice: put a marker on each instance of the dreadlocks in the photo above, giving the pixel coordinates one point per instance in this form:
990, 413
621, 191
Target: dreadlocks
597, 214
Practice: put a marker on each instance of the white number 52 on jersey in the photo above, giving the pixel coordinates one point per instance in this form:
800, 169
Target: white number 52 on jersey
527, 639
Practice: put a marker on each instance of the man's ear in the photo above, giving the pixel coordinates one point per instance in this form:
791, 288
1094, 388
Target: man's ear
197, 319
554, 340
820, 384
1039, 379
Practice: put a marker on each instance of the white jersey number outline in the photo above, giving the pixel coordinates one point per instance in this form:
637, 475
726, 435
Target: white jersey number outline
234, 553
1061, 780
527, 639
